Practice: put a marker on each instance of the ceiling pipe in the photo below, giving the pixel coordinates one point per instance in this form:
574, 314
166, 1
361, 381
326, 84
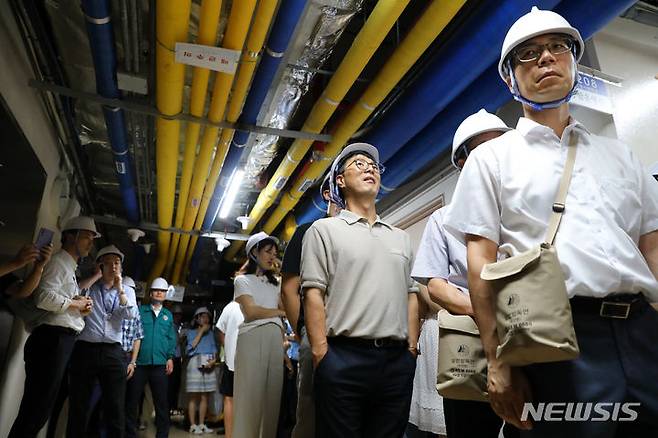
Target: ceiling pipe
379, 22
208, 25
264, 16
103, 51
172, 24
433, 20
262, 21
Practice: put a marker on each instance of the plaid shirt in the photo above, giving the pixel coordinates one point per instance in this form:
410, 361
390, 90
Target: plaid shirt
131, 330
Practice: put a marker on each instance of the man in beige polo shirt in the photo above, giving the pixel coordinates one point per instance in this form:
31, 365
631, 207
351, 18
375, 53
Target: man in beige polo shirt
361, 309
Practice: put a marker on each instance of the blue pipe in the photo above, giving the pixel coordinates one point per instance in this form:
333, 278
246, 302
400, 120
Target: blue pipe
284, 25
469, 52
101, 41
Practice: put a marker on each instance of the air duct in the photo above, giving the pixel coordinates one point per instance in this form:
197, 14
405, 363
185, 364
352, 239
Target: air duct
427, 28
172, 23
101, 40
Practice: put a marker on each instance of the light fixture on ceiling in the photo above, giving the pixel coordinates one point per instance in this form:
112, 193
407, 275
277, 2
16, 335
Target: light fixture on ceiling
222, 243
147, 247
231, 193
135, 234
244, 221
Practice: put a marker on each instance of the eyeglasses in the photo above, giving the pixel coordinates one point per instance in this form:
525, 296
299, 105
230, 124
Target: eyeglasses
363, 166
532, 52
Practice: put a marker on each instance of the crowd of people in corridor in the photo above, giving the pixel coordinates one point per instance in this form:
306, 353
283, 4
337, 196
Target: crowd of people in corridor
350, 313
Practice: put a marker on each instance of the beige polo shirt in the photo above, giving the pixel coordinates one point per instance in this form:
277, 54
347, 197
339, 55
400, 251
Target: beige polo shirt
364, 272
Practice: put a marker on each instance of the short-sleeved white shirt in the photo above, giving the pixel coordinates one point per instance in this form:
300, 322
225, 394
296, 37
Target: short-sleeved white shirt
228, 323
508, 186
440, 254
264, 294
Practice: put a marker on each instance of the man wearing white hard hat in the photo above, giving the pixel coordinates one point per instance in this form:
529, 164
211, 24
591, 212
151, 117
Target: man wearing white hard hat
258, 375
291, 296
607, 240
360, 306
98, 355
441, 265
154, 362
49, 347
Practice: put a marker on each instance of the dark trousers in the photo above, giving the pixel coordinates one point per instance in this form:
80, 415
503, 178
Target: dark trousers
466, 419
618, 363
47, 353
105, 364
363, 391
174, 384
157, 379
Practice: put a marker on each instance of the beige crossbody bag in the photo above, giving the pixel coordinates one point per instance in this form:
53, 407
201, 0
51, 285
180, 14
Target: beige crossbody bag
533, 313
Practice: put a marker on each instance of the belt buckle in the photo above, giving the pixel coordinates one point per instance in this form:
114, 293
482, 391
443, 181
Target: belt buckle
379, 343
612, 313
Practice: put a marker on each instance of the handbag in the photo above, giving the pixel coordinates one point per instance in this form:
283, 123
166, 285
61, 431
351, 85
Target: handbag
462, 365
533, 313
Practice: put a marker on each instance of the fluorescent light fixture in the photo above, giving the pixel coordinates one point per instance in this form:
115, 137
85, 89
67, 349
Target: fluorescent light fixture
233, 188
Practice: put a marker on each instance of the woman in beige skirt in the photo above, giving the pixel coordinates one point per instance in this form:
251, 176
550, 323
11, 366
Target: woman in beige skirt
259, 355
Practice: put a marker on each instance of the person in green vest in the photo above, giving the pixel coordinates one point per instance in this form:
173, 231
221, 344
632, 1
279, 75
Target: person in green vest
155, 361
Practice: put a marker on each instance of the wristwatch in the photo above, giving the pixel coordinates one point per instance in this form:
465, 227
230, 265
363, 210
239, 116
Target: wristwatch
133, 364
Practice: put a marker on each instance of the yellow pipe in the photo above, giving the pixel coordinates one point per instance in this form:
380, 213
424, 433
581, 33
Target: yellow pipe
197, 208
289, 228
172, 23
380, 21
209, 22
425, 31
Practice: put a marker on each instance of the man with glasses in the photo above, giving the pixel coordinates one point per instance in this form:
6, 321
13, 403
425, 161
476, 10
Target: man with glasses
607, 243
360, 306
49, 347
441, 266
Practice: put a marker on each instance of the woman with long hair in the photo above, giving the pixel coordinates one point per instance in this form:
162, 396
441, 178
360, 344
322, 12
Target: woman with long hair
201, 380
259, 355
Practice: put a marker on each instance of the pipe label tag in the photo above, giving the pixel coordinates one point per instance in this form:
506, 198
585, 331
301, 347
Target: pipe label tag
121, 167
280, 182
213, 58
305, 185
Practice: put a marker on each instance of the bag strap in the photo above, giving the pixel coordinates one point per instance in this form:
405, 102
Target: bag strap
560, 198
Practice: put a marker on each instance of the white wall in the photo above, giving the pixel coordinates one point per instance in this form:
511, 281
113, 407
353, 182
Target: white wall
629, 50
15, 70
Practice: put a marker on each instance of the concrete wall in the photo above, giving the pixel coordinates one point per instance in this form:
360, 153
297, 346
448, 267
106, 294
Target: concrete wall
629, 50
25, 104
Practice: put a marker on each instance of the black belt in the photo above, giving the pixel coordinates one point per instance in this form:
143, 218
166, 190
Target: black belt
613, 306
368, 343
98, 344
58, 329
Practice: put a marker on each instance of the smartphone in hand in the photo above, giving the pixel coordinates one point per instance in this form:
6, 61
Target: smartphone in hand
44, 238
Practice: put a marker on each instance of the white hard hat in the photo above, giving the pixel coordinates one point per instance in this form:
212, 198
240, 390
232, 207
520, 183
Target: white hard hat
160, 284
475, 124
81, 223
355, 148
257, 238
128, 281
201, 310
109, 249
534, 23
352, 149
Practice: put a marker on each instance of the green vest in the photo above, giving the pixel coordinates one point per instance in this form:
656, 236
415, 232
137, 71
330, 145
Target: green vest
159, 343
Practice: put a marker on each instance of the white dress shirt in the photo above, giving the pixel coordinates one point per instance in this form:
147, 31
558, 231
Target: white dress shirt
440, 254
508, 186
229, 323
56, 290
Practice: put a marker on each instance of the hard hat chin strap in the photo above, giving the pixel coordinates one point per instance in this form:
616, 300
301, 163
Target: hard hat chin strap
334, 191
540, 106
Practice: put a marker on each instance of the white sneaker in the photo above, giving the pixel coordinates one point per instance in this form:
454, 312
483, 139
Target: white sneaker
196, 430
205, 429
